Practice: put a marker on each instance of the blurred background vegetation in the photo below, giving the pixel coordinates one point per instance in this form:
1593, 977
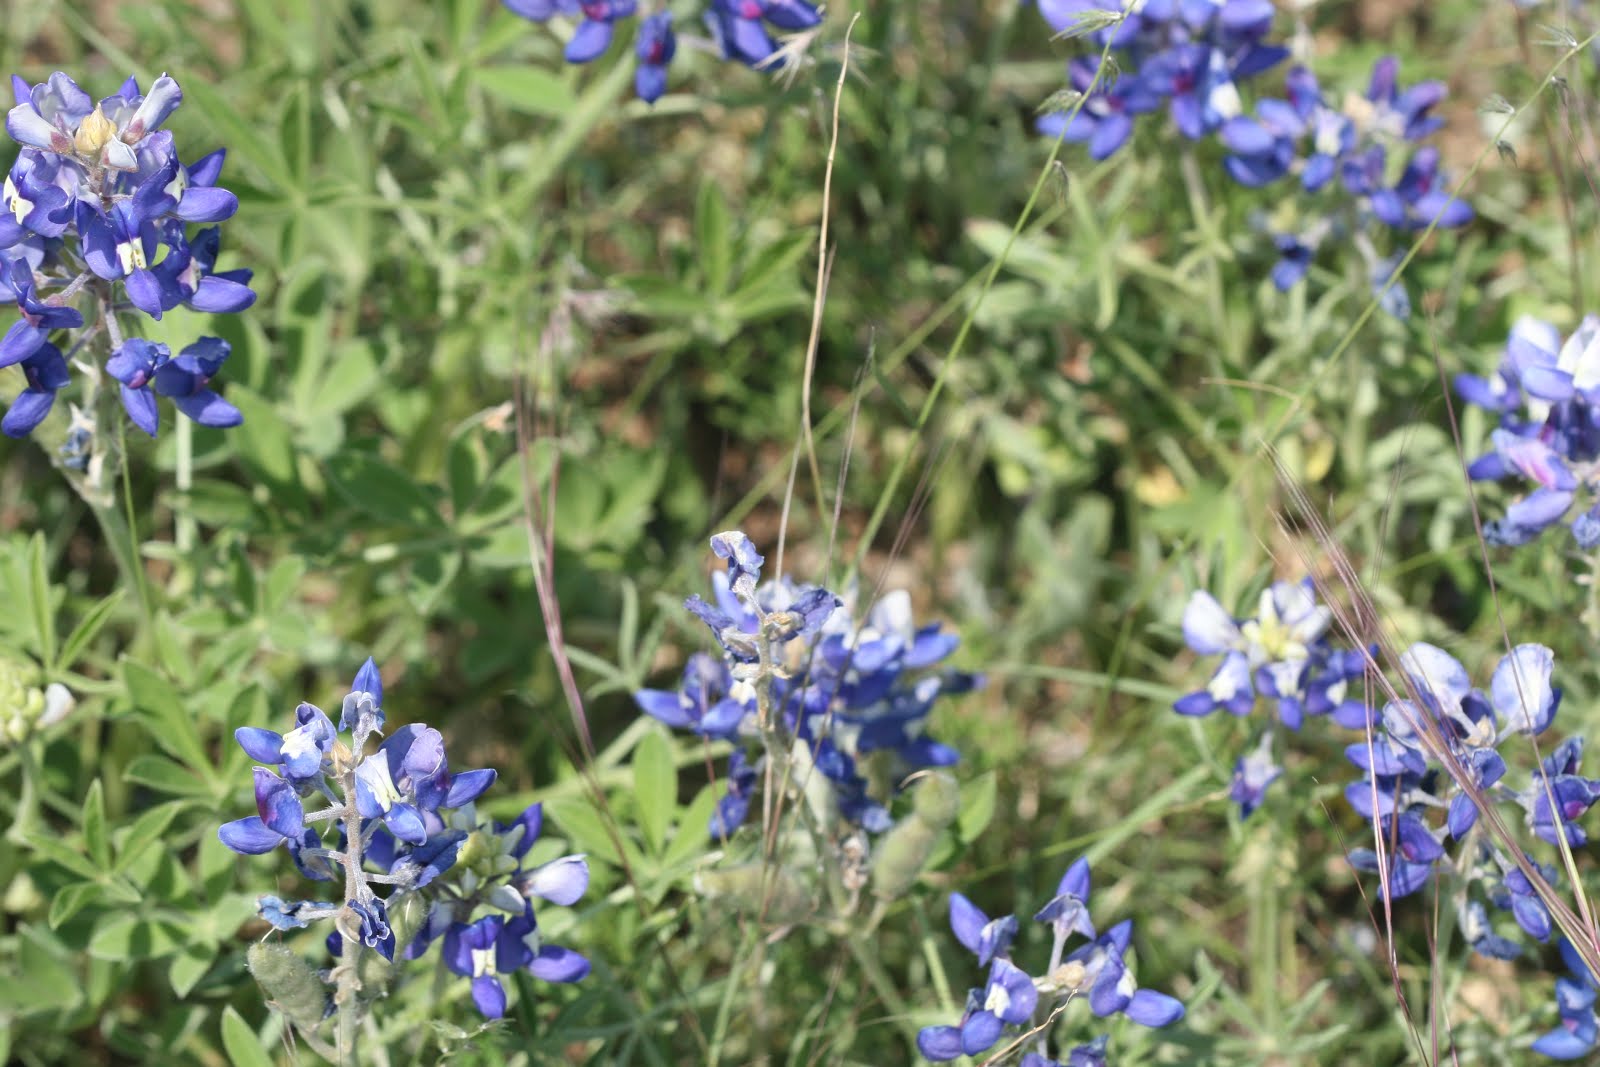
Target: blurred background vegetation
445, 222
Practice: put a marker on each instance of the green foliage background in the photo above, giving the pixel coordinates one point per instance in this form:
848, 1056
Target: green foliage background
445, 221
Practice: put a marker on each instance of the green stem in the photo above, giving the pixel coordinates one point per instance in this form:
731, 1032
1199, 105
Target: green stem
185, 534
135, 561
719, 1032
866, 958
34, 790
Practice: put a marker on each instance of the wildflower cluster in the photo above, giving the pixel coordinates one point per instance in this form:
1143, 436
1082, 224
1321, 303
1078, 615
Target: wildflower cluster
1282, 654
400, 819
739, 29
1349, 160
1189, 57
1012, 997
799, 679
1546, 395
97, 210
1430, 770
1432, 761
1578, 1030
1350, 163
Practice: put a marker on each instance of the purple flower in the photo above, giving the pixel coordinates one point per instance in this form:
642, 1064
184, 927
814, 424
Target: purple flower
654, 50
1262, 149
362, 709
1574, 1038
134, 367
1096, 971
1252, 774
1105, 119
984, 937
491, 947
46, 373
301, 754
186, 378
593, 35
29, 334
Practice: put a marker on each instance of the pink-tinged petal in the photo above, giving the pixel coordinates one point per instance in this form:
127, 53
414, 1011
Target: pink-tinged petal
278, 804
162, 100
27, 127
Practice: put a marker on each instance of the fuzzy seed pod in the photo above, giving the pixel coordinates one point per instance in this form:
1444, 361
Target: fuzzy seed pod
290, 984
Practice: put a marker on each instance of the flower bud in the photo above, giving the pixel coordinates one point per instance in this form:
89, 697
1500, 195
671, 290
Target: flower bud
21, 704
93, 133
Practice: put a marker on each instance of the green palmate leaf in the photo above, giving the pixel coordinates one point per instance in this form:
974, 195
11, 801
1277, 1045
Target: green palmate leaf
977, 806
529, 89
244, 1047
88, 628
278, 587
146, 832
131, 937
579, 821
246, 145
655, 787
693, 837
162, 709
60, 853
265, 442
94, 826
188, 967
351, 377
714, 237
159, 772
45, 980
215, 866
71, 899
382, 491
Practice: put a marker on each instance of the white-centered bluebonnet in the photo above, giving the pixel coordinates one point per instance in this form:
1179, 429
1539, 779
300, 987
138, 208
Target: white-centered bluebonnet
1282, 654
97, 210
1435, 753
739, 31
854, 695
1546, 397
1012, 998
